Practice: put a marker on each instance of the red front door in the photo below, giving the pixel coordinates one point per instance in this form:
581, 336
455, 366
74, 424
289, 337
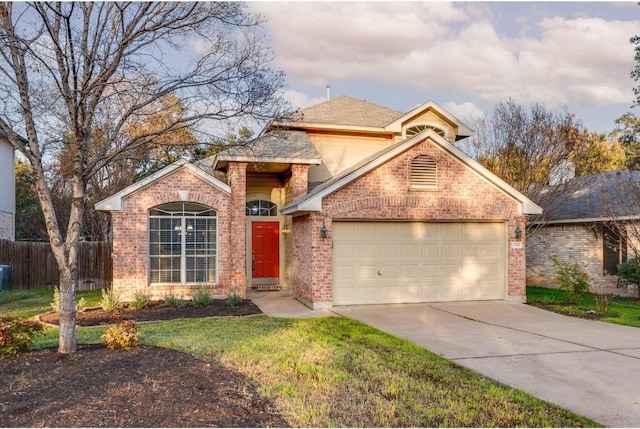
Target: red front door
265, 250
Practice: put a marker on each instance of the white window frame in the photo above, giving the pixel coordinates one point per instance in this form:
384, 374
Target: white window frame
183, 227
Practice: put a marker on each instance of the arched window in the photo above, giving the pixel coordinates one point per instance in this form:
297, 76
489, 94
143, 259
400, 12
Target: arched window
261, 208
424, 172
416, 129
182, 244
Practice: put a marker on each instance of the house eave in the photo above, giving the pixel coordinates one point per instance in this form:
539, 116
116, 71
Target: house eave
463, 129
114, 202
586, 220
282, 160
333, 127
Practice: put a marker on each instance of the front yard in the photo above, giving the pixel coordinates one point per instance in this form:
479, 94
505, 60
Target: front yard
334, 371
620, 310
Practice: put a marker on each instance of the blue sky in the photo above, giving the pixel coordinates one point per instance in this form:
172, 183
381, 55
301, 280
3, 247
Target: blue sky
465, 56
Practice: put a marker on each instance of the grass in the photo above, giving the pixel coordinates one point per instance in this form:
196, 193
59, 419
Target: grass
621, 310
334, 371
30, 303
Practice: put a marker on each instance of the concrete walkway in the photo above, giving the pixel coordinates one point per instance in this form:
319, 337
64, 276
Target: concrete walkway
591, 368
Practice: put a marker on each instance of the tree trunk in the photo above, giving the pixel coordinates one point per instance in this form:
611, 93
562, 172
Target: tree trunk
68, 280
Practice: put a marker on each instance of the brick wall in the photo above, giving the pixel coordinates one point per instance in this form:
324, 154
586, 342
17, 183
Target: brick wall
573, 243
130, 235
385, 194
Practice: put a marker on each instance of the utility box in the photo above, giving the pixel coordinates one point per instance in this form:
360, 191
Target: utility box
4, 277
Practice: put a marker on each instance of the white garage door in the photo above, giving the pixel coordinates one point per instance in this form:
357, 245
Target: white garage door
399, 262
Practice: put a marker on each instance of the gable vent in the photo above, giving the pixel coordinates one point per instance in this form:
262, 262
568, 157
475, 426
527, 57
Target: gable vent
424, 172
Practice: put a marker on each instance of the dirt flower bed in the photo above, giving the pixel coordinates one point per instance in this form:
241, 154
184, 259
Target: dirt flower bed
157, 311
143, 387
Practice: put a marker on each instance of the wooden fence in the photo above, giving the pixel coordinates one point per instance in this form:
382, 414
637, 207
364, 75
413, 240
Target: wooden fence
32, 265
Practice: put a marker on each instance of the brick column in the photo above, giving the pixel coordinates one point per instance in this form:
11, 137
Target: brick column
517, 260
299, 180
237, 175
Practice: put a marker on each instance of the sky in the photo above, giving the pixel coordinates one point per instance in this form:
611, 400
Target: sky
465, 56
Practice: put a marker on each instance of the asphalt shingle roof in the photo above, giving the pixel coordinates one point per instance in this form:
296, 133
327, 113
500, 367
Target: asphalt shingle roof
275, 146
349, 111
602, 195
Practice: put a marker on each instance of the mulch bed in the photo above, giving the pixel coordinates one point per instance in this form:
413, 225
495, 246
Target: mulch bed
159, 310
143, 387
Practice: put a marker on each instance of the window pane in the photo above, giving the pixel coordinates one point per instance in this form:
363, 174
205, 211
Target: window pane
182, 232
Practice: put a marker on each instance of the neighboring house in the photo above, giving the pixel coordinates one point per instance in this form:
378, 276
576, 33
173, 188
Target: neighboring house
596, 228
352, 203
7, 190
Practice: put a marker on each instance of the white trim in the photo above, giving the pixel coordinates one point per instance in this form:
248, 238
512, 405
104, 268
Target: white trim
246, 158
313, 203
425, 124
586, 220
396, 125
336, 127
114, 202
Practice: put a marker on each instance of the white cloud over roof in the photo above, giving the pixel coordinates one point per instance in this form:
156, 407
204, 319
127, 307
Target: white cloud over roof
554, 57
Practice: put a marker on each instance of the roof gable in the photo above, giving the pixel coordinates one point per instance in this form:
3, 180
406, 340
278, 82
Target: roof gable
397, 123
114, 202
312, 202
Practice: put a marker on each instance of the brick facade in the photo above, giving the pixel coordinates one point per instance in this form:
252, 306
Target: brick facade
574, 243
130, 235
385, 194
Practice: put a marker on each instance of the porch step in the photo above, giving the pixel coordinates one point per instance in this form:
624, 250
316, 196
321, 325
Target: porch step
266, 287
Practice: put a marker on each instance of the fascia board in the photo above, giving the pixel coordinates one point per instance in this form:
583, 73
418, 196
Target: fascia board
114, 202
528, 206
334, 127
244, 158
586, 220
396, 125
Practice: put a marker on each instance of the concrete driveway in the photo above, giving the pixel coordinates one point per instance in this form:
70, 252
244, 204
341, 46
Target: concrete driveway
591, 368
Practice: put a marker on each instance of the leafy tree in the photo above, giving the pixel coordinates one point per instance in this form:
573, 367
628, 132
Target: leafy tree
77, 78
599, 155
30, 225
627, 133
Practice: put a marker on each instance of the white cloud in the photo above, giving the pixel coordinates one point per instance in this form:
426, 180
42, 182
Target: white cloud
300, 99
454, 47
467, 112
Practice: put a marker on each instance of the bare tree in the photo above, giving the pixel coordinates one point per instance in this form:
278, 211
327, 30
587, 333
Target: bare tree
533, 149
65, 67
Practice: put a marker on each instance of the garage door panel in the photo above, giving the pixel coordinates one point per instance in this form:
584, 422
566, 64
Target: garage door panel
394, 262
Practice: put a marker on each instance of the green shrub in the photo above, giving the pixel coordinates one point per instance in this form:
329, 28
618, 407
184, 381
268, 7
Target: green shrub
140, 300
571, 277
81, 304
16, 335
110, 300
201, 298
630, 271
174, 301
233, 300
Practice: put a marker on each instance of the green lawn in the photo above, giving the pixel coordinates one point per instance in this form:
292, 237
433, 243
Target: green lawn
29, 303
334, 371
623, 311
